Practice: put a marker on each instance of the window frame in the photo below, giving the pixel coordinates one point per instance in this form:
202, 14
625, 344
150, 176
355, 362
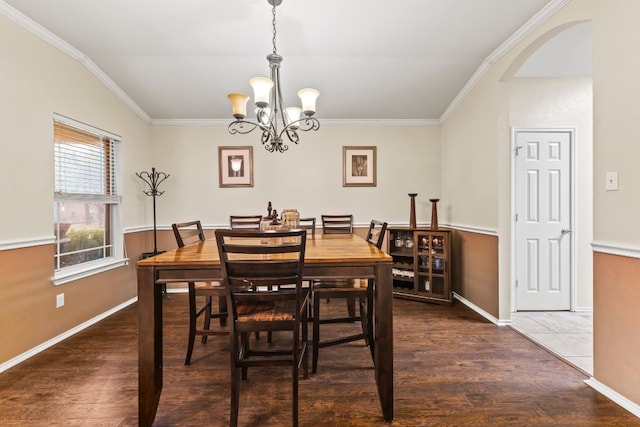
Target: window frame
113, 209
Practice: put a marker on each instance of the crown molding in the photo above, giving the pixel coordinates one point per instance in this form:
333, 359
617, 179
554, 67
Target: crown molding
46, 35
533, 24
324, 122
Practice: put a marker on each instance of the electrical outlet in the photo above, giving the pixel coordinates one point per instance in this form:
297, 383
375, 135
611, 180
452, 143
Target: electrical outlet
612, 181
59, 300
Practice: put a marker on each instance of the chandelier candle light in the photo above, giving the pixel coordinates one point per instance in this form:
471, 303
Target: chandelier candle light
272, 118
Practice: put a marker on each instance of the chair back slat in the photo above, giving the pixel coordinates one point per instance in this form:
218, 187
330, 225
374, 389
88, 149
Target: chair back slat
245, 222
337, 224
308, 224
268, 248
187, 232
377, 230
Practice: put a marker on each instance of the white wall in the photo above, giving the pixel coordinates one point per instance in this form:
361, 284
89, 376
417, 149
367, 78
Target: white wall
307, 177
36, 81
469, 162
616, 44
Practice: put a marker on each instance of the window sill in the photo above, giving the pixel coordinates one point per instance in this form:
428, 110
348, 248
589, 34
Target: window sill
89, 269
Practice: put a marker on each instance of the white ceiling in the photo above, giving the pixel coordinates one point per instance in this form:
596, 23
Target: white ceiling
371, 60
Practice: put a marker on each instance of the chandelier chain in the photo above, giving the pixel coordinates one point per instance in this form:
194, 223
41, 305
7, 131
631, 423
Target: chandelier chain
273, 22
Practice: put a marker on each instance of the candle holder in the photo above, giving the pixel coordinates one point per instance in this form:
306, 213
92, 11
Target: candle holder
412, 212
434, 213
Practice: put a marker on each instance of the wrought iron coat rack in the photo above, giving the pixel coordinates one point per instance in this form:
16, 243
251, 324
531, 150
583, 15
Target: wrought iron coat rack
153, 179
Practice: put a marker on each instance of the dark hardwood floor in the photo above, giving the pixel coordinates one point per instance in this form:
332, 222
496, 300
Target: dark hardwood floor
452, 368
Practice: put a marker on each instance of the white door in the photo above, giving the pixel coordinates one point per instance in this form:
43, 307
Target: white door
543, 220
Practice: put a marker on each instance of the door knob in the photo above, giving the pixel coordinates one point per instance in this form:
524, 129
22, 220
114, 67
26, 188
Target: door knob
566, 230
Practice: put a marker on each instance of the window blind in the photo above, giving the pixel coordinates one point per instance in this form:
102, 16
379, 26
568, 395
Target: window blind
84, 166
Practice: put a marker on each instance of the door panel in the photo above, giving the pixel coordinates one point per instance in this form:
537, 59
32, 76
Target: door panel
543, 218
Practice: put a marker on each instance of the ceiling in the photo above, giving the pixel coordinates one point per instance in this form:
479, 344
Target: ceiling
371, 60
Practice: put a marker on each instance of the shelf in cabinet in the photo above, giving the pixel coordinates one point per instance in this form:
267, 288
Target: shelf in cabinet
403, 279
407, 254
403, 265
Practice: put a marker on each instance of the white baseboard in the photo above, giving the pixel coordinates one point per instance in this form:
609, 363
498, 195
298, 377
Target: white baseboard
480, 311
177, 290
615, 396
45, 345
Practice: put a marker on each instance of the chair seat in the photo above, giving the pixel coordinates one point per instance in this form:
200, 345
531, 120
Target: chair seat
344, 284
267, 312
209, 285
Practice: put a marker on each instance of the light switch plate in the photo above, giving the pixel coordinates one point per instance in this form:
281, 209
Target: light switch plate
612, 181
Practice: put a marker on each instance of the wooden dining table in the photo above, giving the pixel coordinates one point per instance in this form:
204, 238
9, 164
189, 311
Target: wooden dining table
327, 256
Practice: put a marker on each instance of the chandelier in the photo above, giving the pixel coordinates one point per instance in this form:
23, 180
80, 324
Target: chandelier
272, 118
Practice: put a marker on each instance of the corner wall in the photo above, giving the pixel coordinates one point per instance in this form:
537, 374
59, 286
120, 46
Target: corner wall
36, 81
616, 93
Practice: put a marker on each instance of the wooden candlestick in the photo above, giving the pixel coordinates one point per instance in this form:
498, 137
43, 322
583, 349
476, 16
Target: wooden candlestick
434, 213
412, 214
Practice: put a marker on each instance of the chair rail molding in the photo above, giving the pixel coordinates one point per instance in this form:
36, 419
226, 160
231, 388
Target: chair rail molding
616, 249
27, 243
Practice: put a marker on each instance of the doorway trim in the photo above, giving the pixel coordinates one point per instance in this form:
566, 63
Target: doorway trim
572, 187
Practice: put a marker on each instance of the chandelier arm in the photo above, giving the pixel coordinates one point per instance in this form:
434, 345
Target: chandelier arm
279, 100
238, 126
276, 146
306, 124
291, 134
267, 134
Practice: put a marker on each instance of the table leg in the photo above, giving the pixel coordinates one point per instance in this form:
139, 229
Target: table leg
149, 345
383, 352
370, 318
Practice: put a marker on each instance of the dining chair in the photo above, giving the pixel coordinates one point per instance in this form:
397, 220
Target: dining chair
337, 224
192, 232
308, 224
352, 290
248, 222
258, 279
245, 222
376, 233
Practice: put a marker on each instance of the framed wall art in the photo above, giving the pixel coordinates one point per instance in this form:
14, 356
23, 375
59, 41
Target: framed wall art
235, 166
359, 167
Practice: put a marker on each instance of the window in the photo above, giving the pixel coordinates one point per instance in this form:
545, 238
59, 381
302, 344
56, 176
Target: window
86, 200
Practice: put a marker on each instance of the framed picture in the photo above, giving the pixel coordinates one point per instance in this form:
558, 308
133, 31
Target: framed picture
359, 167
235, 166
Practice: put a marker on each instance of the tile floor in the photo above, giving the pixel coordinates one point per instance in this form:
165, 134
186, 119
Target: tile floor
568, 335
